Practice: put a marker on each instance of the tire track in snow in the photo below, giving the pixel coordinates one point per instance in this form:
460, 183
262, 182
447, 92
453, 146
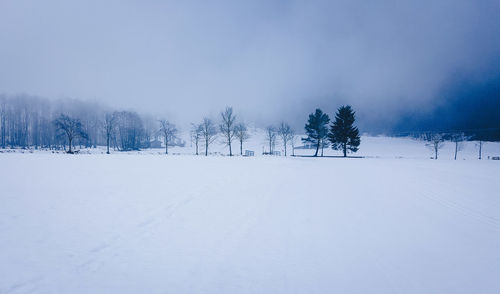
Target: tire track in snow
26, 286
100, 253
461, 209
457, 206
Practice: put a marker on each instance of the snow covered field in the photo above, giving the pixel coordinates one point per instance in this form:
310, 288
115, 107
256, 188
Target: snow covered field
149, 223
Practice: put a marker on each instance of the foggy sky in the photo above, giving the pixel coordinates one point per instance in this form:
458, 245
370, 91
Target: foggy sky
270, 60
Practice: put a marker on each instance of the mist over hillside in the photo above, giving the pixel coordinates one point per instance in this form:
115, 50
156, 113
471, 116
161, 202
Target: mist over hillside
401, 65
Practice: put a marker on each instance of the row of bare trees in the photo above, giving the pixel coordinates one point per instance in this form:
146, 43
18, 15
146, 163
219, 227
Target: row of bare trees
30, 122
229, 130
436, 141
285, 133
123, 130
34, 122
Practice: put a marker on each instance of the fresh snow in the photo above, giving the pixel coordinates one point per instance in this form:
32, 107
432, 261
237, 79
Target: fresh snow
142, 222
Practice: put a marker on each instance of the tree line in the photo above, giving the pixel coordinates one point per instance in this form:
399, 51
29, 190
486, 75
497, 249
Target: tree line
229, 129
35, 122
435, 141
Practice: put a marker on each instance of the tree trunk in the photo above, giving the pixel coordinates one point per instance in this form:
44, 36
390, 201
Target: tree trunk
285, 148
70, 143
230, 150
456, 149
241, 147
3, 131
317, 149
344, 147
435, 151
107, 144
206, 148
480, 147
196, 147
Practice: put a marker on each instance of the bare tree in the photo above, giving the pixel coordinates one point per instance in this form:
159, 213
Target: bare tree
242, 134
458, 139
72, 127
151, 130
196, 134
435, 141
271, 137
480, 144
130, 130
168, 131
285, 132
208, 133
109, 128
227, 127
27, 121
293, 140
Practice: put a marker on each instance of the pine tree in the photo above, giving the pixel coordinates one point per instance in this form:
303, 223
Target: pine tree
316, 128
343, 135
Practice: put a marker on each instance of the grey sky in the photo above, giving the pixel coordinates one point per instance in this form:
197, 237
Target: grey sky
262, 57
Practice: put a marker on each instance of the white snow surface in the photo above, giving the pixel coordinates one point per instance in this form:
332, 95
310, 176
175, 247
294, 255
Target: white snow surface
142, 222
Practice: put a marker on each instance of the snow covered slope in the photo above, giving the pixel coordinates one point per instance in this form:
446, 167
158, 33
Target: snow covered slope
139, 223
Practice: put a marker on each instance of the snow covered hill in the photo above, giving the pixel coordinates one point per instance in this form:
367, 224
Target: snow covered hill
379, 147
149, 223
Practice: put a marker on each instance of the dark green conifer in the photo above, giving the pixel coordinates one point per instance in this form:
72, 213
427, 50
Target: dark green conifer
343, 134
316, 128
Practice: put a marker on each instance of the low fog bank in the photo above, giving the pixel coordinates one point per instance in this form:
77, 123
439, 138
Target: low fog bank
395, 62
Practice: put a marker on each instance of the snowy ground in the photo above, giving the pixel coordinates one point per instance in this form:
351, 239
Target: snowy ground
394, 222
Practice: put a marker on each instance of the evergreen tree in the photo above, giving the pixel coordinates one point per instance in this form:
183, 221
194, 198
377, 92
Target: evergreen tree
316, 128
343, 135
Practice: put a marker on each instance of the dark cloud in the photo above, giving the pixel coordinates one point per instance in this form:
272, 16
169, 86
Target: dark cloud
467, 104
